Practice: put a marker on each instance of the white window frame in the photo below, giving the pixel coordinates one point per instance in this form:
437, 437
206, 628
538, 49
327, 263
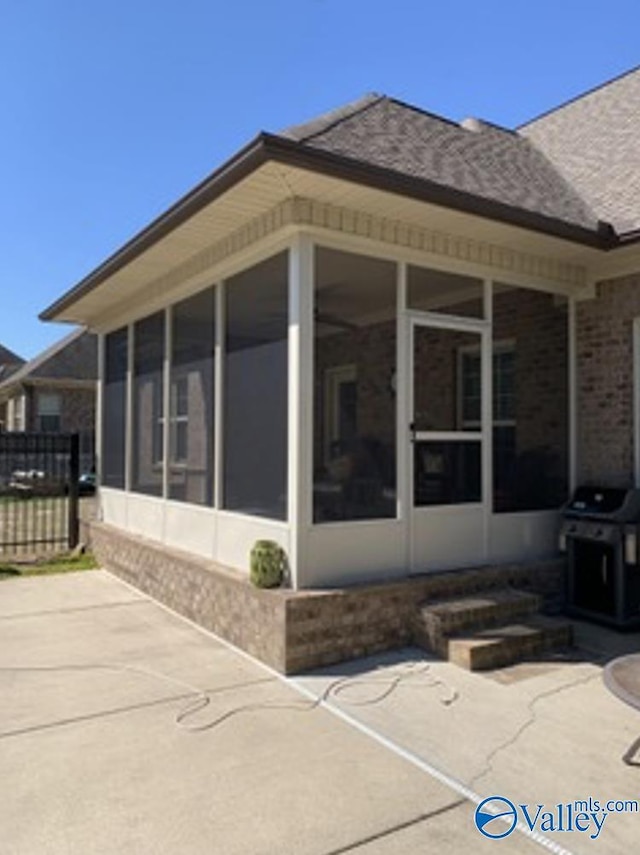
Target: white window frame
503, 346
176, 418
334, 377
48, 411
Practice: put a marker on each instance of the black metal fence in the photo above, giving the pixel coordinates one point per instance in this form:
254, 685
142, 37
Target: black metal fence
39, 485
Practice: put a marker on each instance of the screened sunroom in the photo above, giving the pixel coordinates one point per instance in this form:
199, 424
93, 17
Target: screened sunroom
375, 413
367, 356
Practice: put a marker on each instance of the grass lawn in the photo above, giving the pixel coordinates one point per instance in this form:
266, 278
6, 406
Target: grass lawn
64, 563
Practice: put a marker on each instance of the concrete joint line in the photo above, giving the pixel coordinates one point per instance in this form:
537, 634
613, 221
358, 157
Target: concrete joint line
114, 711
18, 615
452, 783
401, 826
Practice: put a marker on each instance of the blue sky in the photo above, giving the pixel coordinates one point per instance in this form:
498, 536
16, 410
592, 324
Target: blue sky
111, 111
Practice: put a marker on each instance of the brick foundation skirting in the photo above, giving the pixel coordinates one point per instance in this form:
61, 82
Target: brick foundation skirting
297, 630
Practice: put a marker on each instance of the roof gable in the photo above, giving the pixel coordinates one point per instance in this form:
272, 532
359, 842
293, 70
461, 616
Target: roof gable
10, 362
72, 358
8, 357
593, 141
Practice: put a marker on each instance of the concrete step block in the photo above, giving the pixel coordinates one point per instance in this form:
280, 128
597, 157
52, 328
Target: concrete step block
438, 620
505, 645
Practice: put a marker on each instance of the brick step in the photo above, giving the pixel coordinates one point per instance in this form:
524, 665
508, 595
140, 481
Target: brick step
436, 621
504, 645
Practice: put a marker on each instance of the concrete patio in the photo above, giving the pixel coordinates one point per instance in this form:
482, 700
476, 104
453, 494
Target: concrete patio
106, 744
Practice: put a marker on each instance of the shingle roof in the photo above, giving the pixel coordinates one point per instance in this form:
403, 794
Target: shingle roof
567, 182
8, 357
9, 362
474, 157
594, 141
72, 358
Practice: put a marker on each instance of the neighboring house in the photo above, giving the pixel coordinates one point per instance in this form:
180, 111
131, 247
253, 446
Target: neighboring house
9, 363
56, 392
390, 342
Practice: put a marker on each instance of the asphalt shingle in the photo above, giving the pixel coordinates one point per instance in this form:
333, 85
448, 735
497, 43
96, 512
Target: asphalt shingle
594, 141
474, 157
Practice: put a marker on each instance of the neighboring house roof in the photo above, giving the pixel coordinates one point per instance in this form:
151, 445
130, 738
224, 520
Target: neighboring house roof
594, 141
474, 157
73, 358
9, 362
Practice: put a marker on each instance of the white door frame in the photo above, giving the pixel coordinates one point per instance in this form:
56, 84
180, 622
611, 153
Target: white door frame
452, 513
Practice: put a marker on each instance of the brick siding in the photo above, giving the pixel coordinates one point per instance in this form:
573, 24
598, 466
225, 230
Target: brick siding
297, 630
604, 345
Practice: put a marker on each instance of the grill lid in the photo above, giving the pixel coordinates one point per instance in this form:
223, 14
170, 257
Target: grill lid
612, 503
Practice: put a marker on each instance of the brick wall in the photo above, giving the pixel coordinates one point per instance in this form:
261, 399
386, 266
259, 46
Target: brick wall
297, 630
604, 344
217, 598
77, 408
325, 627
538, 327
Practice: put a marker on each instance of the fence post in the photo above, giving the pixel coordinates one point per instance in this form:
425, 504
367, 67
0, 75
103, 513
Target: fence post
74, 490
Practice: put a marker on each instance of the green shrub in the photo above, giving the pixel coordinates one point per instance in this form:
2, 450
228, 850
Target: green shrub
268, 564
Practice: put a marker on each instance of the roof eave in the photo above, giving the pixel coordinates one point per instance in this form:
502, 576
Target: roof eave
269, 147
230, 173
339, 166
628, 238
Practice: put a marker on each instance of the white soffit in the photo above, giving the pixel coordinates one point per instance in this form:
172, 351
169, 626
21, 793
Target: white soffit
272, 184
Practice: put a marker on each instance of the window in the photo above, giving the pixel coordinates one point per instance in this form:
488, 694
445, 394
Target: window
179, 420
148, 398
114, 408
354, 403
504, 406
341, 409
192, 399
49, 411
256, 390
469, 383
504, 393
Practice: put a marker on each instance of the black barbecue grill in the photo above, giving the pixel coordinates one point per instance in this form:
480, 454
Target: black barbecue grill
600, 535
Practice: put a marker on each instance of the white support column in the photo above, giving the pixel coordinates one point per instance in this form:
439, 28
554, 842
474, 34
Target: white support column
128, 460
100, 408
300, 422
166, 399
572, 403
487, 415
404, 460
218, 421
22, 403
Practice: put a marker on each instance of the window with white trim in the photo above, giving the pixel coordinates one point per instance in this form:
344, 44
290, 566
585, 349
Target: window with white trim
470, 385
191, 399
179, 419
49, 411
341, 410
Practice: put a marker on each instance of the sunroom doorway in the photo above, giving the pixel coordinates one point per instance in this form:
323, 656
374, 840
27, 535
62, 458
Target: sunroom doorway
449, 421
